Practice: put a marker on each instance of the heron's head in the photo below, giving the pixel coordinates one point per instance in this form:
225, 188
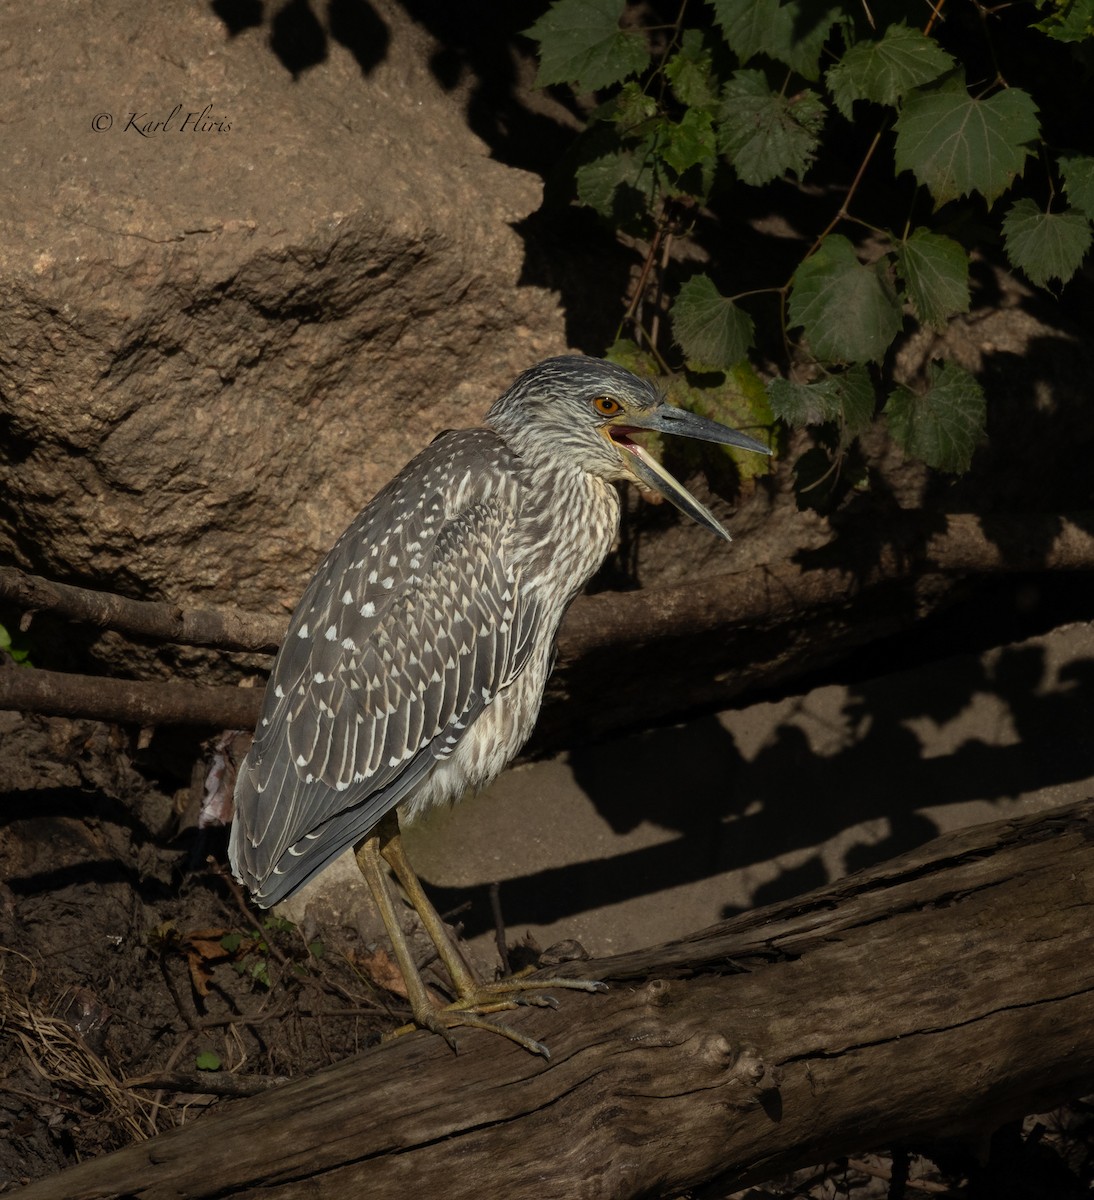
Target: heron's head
584, 410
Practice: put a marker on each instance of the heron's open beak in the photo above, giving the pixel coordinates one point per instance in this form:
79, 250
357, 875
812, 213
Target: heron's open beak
680, 423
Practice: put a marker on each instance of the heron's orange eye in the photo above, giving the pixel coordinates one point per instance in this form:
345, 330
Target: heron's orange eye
606, 406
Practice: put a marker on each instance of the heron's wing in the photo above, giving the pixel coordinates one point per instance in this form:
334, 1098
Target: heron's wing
410, 627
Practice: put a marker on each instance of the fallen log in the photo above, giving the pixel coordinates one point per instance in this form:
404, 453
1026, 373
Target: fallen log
947, 990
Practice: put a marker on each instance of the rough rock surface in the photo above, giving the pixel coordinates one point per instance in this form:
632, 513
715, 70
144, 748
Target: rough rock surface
222, 334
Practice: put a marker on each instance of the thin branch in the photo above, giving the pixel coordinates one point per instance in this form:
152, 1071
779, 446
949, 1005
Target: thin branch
228, 629
211, 1083
128, 701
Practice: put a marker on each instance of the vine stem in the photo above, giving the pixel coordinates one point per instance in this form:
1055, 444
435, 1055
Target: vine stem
936, 12
842, 214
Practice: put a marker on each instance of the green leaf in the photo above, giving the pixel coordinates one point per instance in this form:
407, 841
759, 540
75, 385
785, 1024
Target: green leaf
580, 42
1078, 173
849, 311
847, 398
943, 426
630, 109
799, 404
885, 70
690, 72
935, 270
627, 353
15, 648
231, 942
955, 144
739, 400
710, 329
792, 33
1045, 245
207, 1060
857, 400
765, 134
690, 143
620, 185
1072, 21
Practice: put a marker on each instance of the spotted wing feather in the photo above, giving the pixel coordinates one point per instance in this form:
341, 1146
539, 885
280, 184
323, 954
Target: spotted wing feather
411, 626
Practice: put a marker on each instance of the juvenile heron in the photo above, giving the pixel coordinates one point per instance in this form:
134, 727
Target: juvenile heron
415, 662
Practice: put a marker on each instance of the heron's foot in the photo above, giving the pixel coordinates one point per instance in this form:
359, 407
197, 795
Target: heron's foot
443, 1021
523, 982
517, 991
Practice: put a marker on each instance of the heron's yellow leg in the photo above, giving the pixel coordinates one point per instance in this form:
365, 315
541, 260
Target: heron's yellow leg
370, 856
471, 992
473, 998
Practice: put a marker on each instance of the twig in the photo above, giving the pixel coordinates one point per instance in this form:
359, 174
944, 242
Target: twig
212, 1083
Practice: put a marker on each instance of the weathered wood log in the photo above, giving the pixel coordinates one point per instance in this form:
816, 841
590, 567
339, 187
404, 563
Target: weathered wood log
949, 989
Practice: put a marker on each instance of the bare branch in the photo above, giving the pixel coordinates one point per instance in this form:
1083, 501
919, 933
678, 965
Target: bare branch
128, 701
225, 628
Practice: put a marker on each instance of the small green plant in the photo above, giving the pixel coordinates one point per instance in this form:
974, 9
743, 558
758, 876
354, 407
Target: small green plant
250, 953
729, 96
15, 647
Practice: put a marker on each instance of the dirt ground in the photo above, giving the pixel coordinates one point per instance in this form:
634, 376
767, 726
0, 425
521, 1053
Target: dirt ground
138, 990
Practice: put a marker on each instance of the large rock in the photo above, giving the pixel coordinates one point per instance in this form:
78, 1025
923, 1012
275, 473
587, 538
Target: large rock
236, 300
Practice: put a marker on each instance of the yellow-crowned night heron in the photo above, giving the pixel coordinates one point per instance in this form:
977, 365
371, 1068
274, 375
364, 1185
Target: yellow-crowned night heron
415, 662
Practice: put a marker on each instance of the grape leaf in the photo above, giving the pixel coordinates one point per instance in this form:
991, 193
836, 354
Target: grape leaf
765, 134
1072, 21
1045, 245
710, 329
885, 70
956, 144
857, 400
848, 398
618, 184
739, 401
943, 426
690, 72
1078, 173
629, 110
799, 404
935, 270
849, 311
691, 142
792, 33
580, 42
